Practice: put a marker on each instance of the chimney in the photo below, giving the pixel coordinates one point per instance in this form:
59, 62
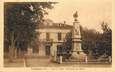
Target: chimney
64, 22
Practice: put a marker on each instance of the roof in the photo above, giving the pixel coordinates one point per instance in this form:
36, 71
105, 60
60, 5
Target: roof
50, 24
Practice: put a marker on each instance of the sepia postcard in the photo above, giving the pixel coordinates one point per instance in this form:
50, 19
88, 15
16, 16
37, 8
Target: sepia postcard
57, 35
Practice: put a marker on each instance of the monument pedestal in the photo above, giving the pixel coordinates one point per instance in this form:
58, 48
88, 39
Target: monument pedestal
78, 56
77, 52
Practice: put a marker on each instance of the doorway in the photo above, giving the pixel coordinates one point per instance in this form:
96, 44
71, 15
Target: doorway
47, 49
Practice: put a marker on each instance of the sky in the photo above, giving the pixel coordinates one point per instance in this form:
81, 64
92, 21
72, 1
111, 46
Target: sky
90, 12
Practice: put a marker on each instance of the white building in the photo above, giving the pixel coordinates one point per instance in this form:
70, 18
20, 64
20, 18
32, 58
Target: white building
51, 36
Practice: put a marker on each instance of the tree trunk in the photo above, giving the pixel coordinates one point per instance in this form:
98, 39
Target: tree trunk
12, 48
15, 53
10, 54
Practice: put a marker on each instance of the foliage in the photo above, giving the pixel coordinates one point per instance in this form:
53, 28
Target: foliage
95, 43
68, 45
105, 43
89, 39
20, 21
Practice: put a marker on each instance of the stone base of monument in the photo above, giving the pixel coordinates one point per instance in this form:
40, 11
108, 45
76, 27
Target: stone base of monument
78, 56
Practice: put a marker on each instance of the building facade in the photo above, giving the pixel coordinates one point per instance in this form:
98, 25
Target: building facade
51, 37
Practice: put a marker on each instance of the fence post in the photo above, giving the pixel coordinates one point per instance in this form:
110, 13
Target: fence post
110, 59
60, 59
86, 59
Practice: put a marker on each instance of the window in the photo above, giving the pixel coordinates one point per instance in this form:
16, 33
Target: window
47, 36
59, 36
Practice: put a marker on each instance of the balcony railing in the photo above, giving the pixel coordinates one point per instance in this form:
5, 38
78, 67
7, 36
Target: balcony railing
48, 41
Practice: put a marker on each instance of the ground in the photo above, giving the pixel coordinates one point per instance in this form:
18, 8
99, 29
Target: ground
46, 62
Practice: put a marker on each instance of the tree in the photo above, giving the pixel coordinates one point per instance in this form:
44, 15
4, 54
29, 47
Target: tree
105, 43
89, 39
97, 44
20, 23
68, 45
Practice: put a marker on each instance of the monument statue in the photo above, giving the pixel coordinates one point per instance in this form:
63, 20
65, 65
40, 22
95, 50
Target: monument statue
75, 15
77, 52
